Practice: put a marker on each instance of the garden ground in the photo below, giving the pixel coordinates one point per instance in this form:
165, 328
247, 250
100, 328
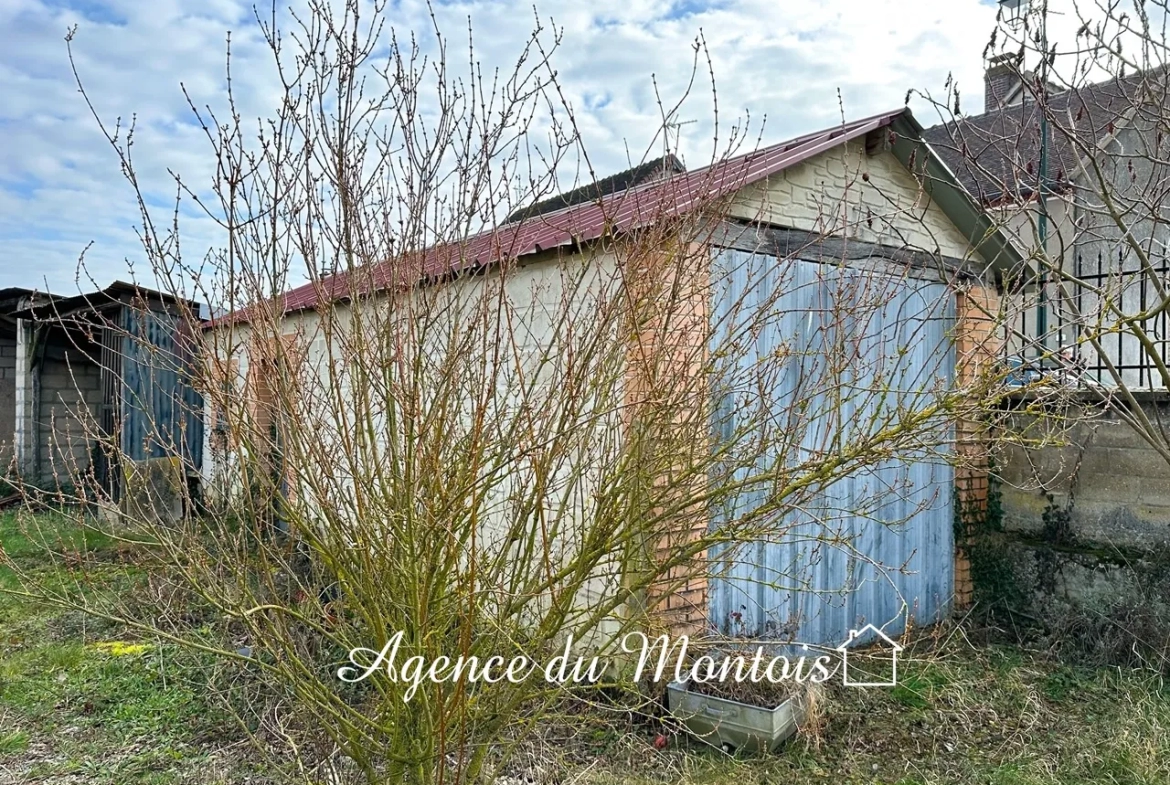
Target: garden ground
83, 701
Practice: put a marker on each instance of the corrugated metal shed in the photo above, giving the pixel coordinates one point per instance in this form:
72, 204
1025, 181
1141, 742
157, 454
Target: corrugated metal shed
142, 346
877, 546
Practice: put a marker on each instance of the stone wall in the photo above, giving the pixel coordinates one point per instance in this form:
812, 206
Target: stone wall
1085, 524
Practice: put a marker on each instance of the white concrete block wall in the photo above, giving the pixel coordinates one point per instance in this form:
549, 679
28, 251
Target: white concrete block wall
843, 191
540, 293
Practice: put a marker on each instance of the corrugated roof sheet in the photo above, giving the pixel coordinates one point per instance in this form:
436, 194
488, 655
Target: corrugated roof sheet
54, 305
620, 212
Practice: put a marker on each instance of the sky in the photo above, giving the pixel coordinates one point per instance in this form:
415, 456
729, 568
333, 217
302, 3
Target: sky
795, 66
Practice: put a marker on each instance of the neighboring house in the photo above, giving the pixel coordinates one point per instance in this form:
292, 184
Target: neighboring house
997, 156
1099, 485
862, 193
91, 380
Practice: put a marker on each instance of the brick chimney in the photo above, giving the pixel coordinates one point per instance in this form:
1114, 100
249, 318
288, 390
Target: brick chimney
1000, 80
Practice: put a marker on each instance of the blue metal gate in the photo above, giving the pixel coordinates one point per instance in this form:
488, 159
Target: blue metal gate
875, 546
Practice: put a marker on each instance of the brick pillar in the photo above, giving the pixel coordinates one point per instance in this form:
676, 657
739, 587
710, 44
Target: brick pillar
664, 361
977, 345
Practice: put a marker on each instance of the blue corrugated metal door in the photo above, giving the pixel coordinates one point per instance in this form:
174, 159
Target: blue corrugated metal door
859, 351
161, 410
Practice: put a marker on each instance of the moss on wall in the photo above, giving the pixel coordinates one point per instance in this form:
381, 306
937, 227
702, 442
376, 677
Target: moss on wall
1084, 602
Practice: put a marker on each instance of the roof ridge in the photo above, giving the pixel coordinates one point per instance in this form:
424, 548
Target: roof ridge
590, 220
599, 188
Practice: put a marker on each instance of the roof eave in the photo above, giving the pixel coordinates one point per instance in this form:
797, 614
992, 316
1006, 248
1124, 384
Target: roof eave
1003, 260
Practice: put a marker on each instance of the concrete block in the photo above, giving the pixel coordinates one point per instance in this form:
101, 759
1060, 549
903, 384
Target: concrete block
1131, 526
153, 490
1117, 488
780, 198
1108, 432
1056, 581
1023, 510
1051, 467
1136, 462
56, 387
873, 198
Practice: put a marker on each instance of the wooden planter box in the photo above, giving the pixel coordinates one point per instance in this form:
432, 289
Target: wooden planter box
731, 725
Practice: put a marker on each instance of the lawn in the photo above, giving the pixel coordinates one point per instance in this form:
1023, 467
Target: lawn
85, 701
82, 700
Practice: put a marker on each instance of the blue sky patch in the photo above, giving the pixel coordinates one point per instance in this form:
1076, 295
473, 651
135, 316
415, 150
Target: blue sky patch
63, 187
91, 10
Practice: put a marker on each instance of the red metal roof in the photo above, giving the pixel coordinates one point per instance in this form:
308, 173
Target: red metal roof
620, 212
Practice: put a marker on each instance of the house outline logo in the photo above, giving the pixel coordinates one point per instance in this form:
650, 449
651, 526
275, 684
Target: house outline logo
844, 649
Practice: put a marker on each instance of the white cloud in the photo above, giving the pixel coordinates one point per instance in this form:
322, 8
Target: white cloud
60, 185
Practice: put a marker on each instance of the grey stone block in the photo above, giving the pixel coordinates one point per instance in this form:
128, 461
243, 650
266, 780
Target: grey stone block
1025, 518
1056, 580
1109, 432
1131, 462
1131, 525
1118, 488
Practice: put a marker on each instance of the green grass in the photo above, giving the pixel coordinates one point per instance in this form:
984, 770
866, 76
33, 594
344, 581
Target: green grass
82, 700
13, 742
27, 537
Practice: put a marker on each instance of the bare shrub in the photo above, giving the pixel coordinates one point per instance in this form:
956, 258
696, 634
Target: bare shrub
477, 443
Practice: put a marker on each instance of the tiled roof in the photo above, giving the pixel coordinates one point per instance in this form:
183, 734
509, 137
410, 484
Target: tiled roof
996, 155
